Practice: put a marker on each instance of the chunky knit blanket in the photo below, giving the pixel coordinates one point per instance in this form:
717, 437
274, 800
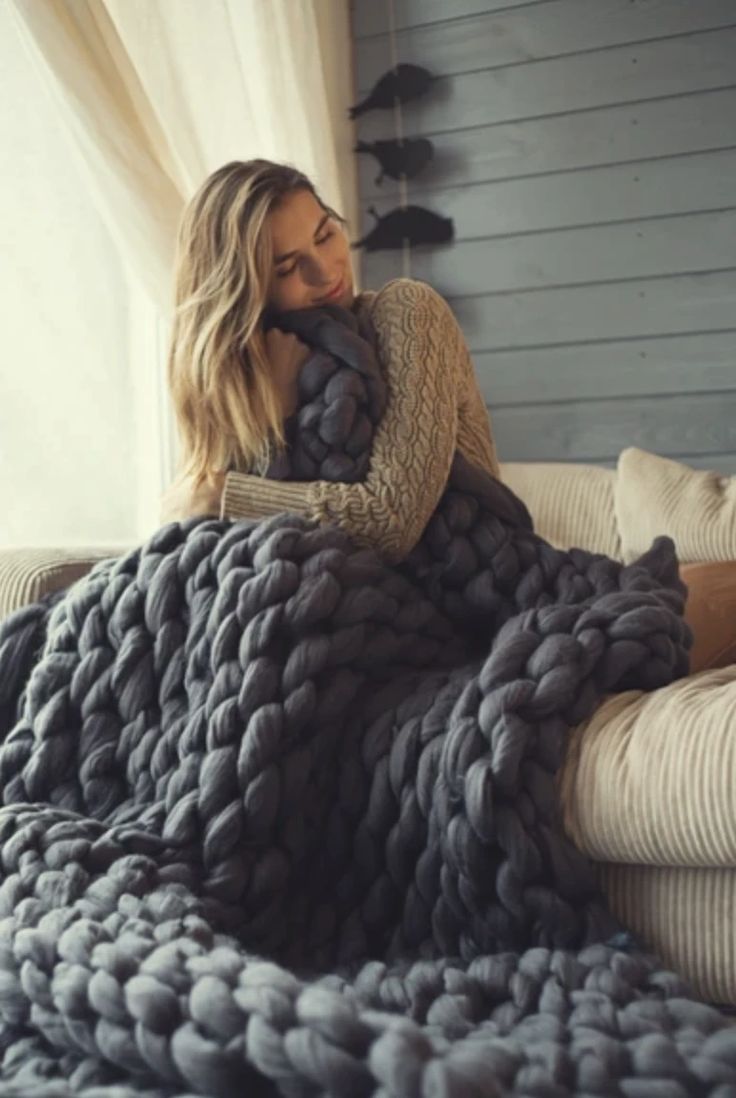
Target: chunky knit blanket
279, 818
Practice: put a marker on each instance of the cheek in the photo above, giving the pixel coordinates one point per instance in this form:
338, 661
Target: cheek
286, 292
342, 247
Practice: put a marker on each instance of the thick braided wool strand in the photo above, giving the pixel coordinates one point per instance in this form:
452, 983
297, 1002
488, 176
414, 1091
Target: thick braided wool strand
278, 819
342, 397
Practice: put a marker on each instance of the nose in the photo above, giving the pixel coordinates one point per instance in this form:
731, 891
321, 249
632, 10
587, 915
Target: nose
318, 277
324, 282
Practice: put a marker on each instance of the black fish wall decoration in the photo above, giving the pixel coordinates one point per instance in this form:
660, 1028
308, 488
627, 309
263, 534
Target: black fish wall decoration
403, 83
414, 223
399, 158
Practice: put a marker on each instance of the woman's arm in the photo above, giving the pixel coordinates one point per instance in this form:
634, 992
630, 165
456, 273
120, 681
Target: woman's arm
421, 347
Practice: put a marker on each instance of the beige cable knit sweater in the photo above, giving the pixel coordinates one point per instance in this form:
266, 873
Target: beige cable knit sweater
434, 407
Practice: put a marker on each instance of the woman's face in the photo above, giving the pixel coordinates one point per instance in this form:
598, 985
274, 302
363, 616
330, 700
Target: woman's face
311, 255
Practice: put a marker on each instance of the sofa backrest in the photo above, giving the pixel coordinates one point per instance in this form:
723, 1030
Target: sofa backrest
570, 504
620, 511
617, 511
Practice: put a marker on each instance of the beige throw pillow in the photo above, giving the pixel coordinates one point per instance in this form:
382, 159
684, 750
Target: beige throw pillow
656, 495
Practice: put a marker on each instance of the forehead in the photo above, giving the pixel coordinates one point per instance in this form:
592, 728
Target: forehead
294, 221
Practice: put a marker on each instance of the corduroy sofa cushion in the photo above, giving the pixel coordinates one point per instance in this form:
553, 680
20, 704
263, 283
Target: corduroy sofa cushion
683, 914
570, 504
649, 779
656, 495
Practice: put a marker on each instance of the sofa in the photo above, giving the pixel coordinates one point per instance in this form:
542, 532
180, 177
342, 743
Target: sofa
647, 789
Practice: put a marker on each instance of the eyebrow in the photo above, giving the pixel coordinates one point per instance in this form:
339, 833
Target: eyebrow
288, 255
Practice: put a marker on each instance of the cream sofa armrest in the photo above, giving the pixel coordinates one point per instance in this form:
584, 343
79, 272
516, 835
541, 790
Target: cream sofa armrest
28, 573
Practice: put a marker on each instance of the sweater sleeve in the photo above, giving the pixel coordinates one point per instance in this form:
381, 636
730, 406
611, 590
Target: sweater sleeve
421, 348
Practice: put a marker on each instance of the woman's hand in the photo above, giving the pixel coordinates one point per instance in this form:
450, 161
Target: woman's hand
286, 354
182, 500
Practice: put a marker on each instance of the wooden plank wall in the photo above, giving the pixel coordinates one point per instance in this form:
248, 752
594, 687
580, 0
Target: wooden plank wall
586, 152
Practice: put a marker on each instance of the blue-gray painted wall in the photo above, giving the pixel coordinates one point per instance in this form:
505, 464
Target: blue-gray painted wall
586, 152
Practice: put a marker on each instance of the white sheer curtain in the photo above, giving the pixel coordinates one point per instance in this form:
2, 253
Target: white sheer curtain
151, 97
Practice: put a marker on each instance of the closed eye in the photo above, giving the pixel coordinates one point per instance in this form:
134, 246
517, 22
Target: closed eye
283, 274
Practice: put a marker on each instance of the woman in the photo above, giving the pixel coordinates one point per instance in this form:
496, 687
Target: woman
257, 236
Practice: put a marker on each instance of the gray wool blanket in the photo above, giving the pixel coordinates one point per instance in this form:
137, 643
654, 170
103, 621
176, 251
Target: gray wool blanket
280, 819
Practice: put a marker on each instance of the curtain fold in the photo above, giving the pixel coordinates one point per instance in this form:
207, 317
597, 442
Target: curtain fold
155, 96
122, 151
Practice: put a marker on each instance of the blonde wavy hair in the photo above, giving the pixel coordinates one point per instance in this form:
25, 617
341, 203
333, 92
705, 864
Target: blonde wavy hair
225, 401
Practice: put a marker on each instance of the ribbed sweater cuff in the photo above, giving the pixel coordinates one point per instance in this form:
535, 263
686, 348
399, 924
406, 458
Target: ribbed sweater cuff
248, 496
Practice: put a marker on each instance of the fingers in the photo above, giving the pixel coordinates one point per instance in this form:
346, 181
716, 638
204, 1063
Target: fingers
285, 350
285, 339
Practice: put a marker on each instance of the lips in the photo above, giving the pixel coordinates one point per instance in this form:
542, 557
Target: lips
333, 293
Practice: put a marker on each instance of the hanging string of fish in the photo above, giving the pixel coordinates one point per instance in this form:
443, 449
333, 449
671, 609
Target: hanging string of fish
403, 157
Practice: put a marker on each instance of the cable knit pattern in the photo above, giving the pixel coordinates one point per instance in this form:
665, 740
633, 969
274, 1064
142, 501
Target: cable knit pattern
434, 407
